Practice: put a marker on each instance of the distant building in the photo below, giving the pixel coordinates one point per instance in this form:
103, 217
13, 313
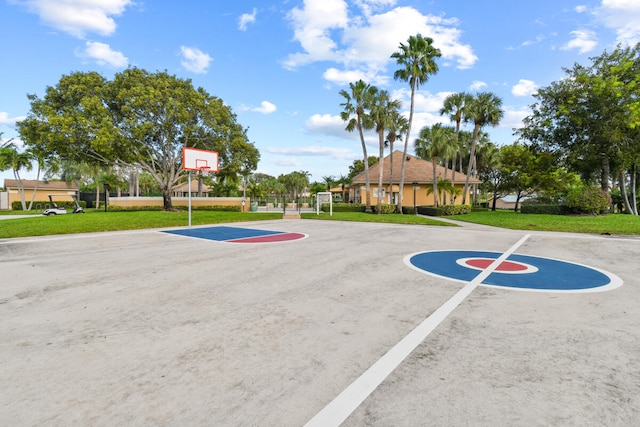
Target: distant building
42, 190
182, 190
418, 177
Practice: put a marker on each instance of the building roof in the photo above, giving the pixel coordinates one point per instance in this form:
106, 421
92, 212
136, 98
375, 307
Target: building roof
194, 187
30, 184
416, 170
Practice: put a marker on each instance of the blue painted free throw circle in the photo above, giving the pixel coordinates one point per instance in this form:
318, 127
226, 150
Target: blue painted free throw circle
547, 274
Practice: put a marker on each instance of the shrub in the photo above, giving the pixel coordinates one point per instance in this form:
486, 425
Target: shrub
219, 208
588, 200
343, 207
446, 210
385, 208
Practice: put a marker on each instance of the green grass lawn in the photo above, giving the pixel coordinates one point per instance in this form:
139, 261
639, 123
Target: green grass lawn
367, 217
603, 224
95, 221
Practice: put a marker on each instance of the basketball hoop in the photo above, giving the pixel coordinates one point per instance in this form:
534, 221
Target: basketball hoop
205, 171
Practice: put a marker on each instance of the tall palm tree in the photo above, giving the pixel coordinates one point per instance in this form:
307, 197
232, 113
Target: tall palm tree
433, 143
354, 111
485, 109
11, 158
454, 107
380, 116
417, 61
397, 130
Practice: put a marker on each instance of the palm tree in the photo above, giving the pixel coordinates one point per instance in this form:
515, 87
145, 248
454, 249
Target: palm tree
381, 118
11, 158
343, 180
328, 180
353, 113
417, 61
484, 109
433, 143
397, 130
455, 106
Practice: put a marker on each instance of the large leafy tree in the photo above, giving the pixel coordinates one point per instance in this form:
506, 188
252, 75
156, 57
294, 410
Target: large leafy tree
382, 112
357, 167
138, 119
353, 113
526, 170
485, 109
416, 61
590, 118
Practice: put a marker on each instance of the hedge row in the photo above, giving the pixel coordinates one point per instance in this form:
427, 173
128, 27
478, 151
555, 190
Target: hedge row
343, 207
446, 210
385, 208
219, 208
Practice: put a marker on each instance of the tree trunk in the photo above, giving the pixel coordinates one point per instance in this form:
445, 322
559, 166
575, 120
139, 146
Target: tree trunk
380, 170
166, 199
606, 170
472, 154
406, 145
435, 182
367, 183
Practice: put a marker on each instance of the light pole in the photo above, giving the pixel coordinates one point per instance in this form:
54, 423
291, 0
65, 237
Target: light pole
415, 188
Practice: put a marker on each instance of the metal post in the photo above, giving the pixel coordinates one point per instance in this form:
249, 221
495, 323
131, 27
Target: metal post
189, 197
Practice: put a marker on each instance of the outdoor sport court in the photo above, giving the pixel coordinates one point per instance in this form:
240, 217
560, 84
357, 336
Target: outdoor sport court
320, 323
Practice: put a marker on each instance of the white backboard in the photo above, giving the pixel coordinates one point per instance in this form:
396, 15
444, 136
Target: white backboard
194, 159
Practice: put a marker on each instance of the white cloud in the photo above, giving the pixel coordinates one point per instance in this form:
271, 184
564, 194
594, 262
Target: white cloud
327, 124
10, 121
103, 55
195, 60
315, 151
524, 88
583, 40
265, 108
513, 117
79, 17
363, 42
477, 85
312, 26
622, 16
341, 78
246, 19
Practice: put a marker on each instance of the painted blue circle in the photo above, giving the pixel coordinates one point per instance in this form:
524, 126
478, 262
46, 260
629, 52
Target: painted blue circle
551, 274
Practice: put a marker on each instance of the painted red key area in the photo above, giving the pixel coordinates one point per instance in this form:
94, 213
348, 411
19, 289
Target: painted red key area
504, 266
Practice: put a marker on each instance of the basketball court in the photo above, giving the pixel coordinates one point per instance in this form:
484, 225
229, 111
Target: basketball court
297, 322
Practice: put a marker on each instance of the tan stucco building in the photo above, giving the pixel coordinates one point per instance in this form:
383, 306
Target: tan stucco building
418, 177
42, 190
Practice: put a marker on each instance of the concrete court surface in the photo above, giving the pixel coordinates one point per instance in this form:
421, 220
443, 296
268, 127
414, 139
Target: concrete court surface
150, 328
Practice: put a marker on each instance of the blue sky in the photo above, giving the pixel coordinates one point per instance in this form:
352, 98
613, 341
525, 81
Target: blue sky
279, 64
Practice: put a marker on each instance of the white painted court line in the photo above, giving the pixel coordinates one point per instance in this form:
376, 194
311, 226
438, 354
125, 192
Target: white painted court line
346, 402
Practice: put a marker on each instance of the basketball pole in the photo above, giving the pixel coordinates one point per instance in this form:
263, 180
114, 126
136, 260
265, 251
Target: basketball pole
189, 190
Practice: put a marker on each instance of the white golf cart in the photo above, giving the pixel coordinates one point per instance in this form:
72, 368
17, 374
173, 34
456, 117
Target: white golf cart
54, 209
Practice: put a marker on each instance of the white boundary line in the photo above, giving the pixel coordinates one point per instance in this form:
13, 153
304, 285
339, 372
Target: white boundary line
346, 402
